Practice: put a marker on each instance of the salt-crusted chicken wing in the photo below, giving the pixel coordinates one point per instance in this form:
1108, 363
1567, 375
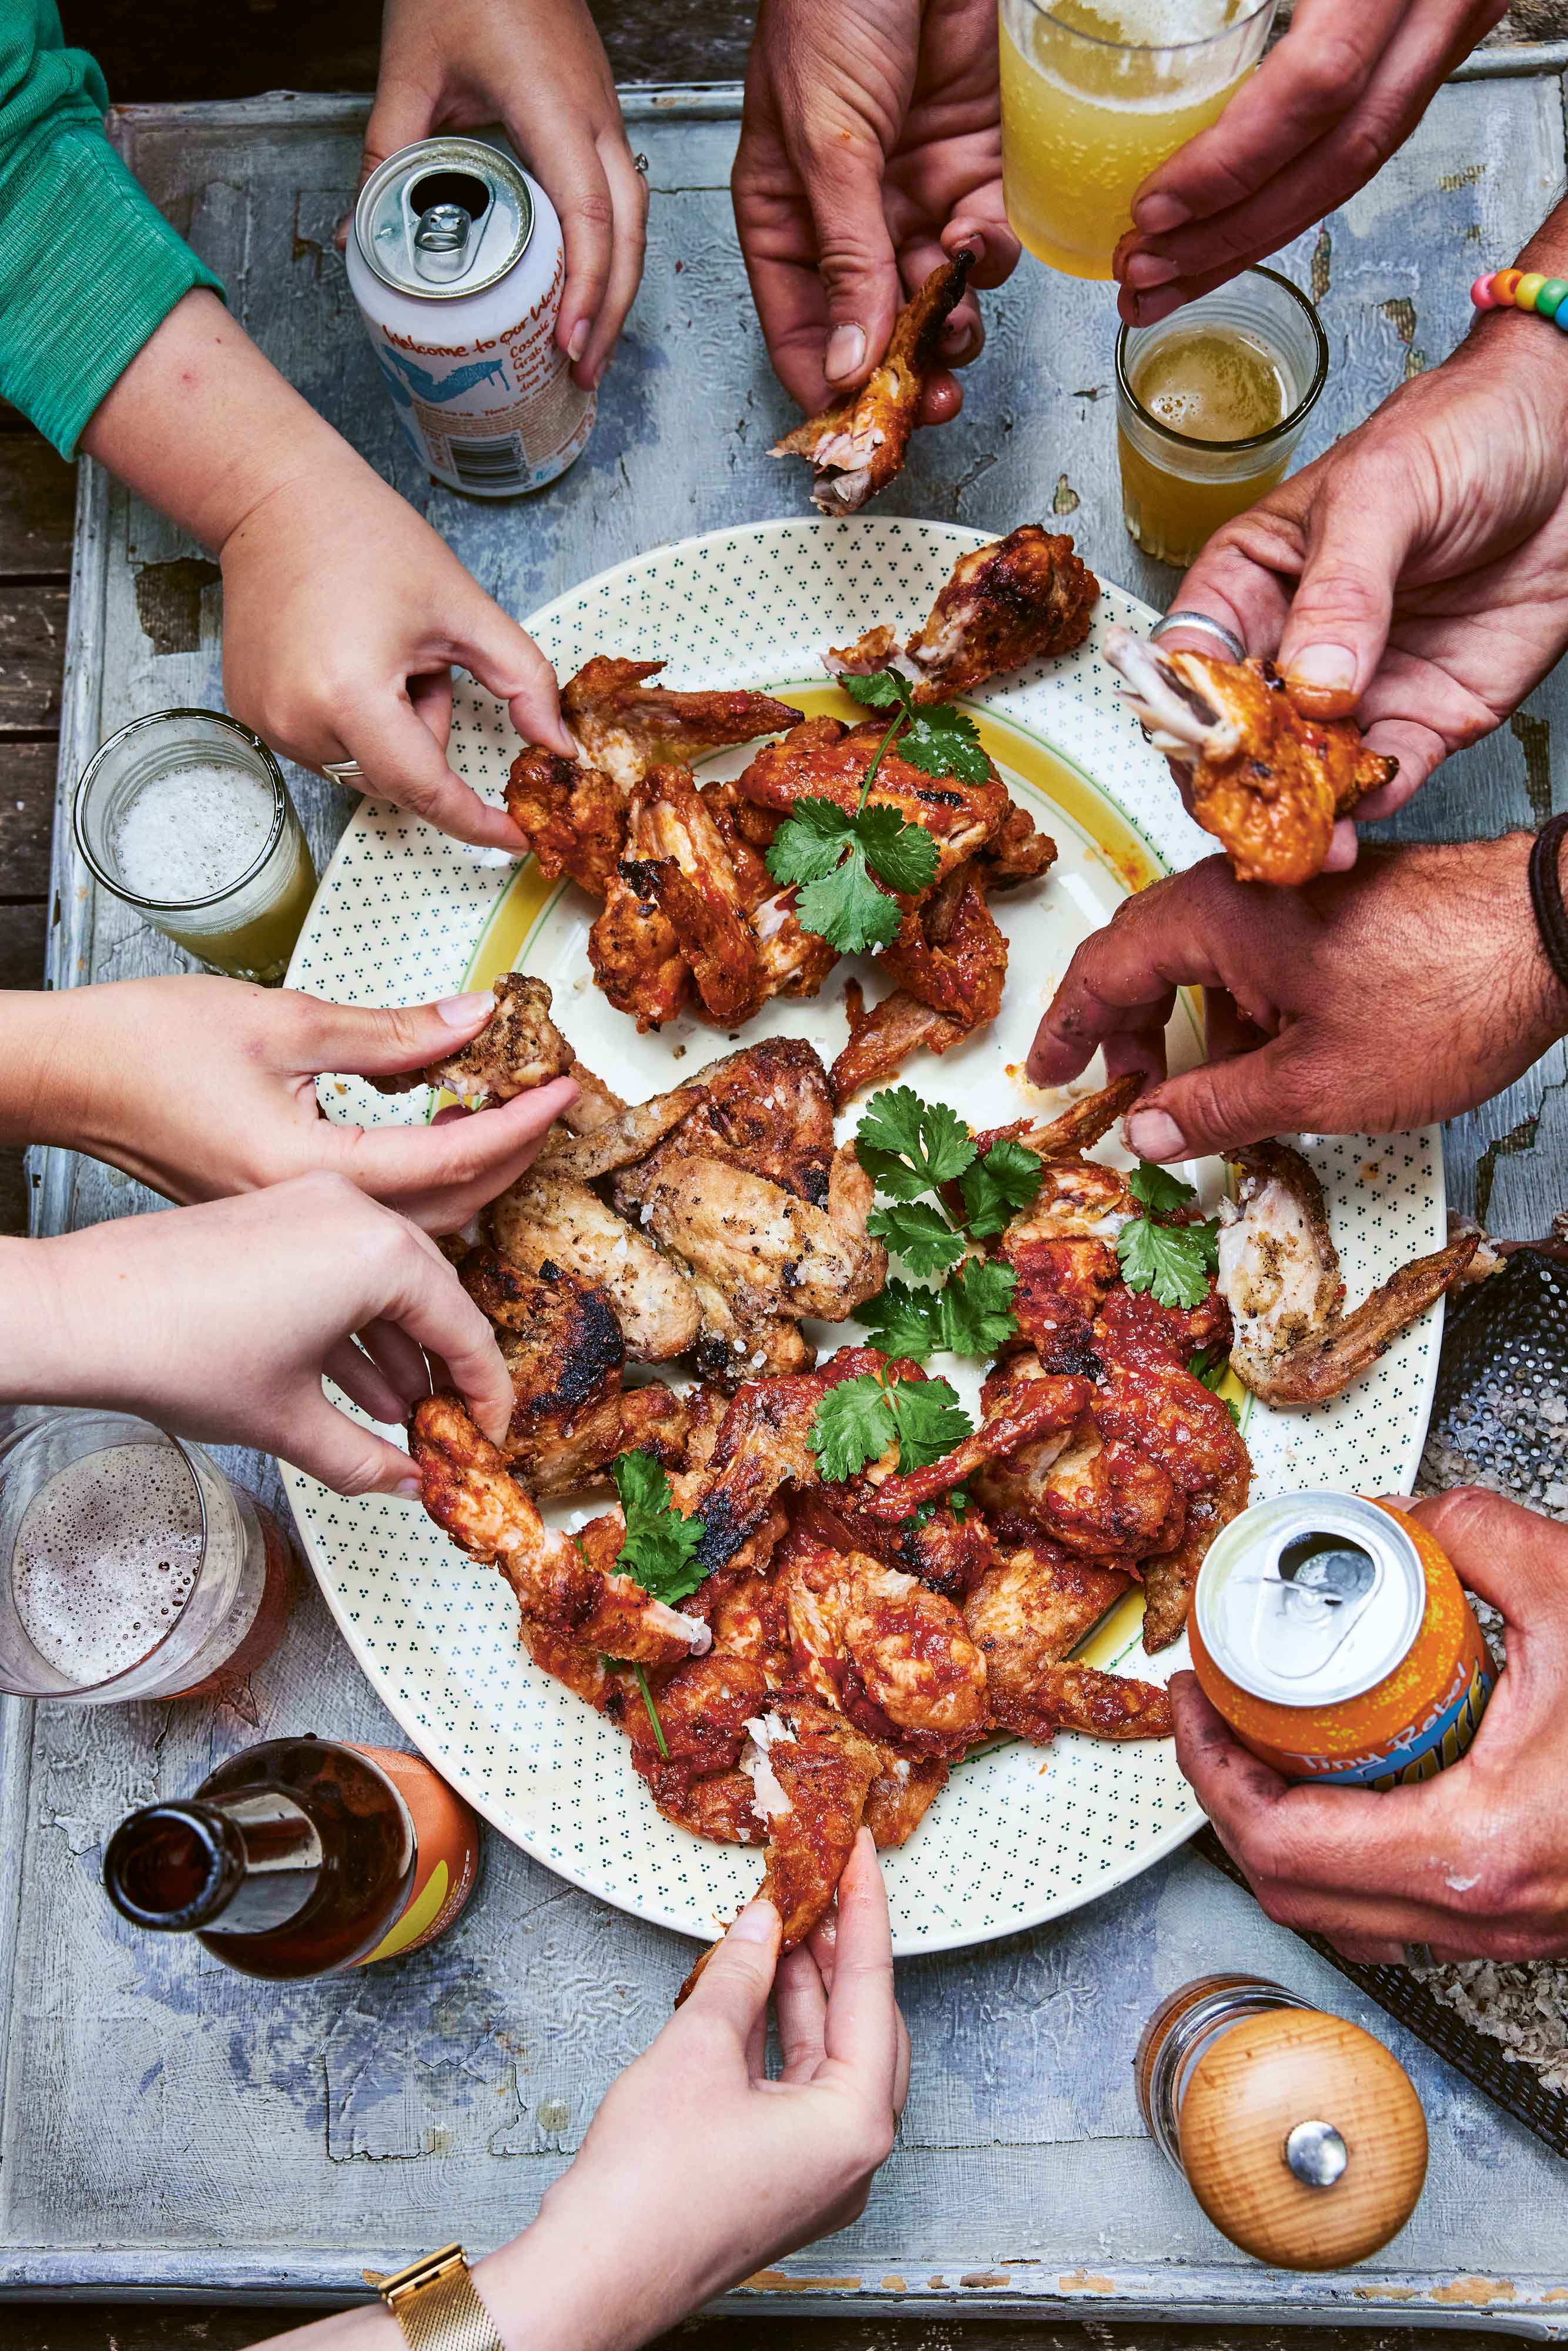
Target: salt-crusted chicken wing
766, 1108
544, 1216
1023, 597
765, 1249
518, 1047
1280, 1274
1025, 1616
822, 758
950, 959
626, 1132
887, 1651
469, 1490
562, 1347
626, 725
1268, 778
857, 446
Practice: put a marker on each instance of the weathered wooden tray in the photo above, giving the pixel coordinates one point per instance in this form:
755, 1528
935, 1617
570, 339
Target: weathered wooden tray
171, 2128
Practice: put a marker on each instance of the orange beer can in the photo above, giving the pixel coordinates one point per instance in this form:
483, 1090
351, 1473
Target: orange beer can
1332, 1634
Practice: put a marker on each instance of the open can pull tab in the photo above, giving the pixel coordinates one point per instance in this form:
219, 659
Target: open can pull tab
441, 243
1314, 1591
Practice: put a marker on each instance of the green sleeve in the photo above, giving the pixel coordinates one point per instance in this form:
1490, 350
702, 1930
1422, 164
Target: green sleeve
89, 266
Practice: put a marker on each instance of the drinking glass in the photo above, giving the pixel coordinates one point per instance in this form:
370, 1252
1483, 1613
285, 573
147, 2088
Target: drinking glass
248, 926
130, 1567
1089, 109
1176, 489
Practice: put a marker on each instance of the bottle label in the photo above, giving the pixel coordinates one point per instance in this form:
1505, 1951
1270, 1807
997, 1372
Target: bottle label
447, 1863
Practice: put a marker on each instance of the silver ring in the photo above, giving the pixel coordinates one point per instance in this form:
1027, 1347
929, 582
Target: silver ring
639, 163
343, 771
1201, 621
1418, 1955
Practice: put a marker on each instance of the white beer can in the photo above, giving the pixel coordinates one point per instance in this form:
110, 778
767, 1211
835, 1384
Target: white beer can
458, 263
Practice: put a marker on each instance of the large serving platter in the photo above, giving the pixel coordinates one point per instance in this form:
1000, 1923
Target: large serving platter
404, 914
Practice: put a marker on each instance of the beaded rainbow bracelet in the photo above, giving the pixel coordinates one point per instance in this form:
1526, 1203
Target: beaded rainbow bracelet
1523, 290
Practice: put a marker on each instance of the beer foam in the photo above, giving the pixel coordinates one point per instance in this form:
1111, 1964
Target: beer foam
1153, 24
106, 1554
193, 832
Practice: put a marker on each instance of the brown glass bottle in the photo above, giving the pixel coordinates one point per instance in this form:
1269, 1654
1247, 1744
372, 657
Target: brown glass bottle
300, 1858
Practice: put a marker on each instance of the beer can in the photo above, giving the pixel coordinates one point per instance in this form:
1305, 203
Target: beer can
1332, 1634
458, 264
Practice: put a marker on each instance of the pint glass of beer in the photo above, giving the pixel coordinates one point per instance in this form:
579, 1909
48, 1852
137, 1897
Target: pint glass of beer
1095, 93
129, 1565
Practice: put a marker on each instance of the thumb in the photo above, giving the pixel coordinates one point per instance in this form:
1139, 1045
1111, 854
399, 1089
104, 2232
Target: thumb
855, 257
401, 113
1223, 1105
381, 1041
506, 659
1358, 535
325, 1444
735, 1978
1513, 1557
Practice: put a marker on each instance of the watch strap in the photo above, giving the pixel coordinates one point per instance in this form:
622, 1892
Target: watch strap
436, 2303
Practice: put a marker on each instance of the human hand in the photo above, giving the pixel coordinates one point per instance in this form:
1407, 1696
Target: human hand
1329, 105
538, 68
219, 1323
1433, 948
1418, 573
201, 1087
697, 2170
1474, 1862
870, 150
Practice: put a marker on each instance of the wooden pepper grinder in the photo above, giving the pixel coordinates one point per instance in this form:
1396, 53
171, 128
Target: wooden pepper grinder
1301, 2136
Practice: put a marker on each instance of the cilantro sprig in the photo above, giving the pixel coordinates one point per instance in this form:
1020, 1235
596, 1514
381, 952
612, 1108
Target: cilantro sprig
859, 1419
910, 1148
1174, 1260
969, 1315
839, 856
660, 1545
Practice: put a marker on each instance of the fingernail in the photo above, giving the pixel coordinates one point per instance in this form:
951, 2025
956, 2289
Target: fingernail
409, 1487
846, 353
462, 1012
1154, 216
1327, 669
1150, 308
757, 1923
1143, 269
1153, 1135
599, 375
577, 342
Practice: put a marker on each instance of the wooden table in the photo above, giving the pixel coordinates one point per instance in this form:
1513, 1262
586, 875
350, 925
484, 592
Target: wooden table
169, 2125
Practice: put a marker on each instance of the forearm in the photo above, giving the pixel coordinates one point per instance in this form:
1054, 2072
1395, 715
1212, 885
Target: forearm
41, 1067
243, 432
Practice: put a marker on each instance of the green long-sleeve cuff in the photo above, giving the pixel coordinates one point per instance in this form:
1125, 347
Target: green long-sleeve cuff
88, 270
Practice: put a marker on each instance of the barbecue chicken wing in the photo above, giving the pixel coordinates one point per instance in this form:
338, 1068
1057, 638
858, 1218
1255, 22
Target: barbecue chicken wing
1024, 1617
813, 1772
1102, 1496
857, 446
562, 1347
674, 913
884, 1649
901, 1796
626, 725
947, 965
574, 816
1280, 1274
518, 1047
822, 758
1023, 597
546, 1217
760, 1452
1267, 778
1018, 1414
467, 1489
696, 1778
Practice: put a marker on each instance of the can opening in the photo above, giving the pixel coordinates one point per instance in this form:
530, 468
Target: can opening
1330, 1568
462, 188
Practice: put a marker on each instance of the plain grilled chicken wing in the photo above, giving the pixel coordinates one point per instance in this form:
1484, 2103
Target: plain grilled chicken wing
949, 960
518, 1047
1024, 1617
1280, 1274
549, 1217
857, 446
1269, 778
824, 759
1023, 597
574, 816
467, 1489
626, 725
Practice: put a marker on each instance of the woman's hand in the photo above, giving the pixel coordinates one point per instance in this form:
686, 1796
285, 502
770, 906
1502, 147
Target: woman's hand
201, 1087
538, 68
1418, 573
1473, 1863
870, 148
1364, 1004
343, 612
219, 1322
1331, 101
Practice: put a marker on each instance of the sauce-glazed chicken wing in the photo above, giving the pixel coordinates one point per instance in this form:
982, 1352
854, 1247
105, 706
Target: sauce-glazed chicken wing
824, 759
1024, 1617
883, 1648
575, 817
947, 963
518, 1047
1023, 597
857, 446
813, 1772
626, 725
469, 1490
695, 1779
1269, 778
1280, 1274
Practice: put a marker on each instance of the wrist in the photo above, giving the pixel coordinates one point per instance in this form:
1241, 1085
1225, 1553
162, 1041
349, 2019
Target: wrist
38, 1364
42, 1066
565, 2285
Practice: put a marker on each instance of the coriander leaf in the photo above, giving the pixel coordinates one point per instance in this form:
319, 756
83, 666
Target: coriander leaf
851, 1425
1173, 1260
920, 1234
929, 1419
903, 854
652, 1711
931, 1136
905, 1321
846, 908
659, 1550
811, 842
1212, 1372
960, 1502
879, 688
1158, 1189
942, 741
892, 1175
974, 1311
1004, 1180
957, 1500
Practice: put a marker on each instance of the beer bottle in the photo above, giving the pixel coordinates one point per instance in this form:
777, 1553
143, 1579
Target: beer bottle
300, 1858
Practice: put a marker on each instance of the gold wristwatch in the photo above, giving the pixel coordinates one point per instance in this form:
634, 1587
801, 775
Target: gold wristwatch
438, 2305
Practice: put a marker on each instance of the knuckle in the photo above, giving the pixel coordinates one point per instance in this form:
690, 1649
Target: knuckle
1332, 66
594, 209
359, 1474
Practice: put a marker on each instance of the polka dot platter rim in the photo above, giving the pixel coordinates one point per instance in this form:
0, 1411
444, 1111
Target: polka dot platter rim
1021, 1834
